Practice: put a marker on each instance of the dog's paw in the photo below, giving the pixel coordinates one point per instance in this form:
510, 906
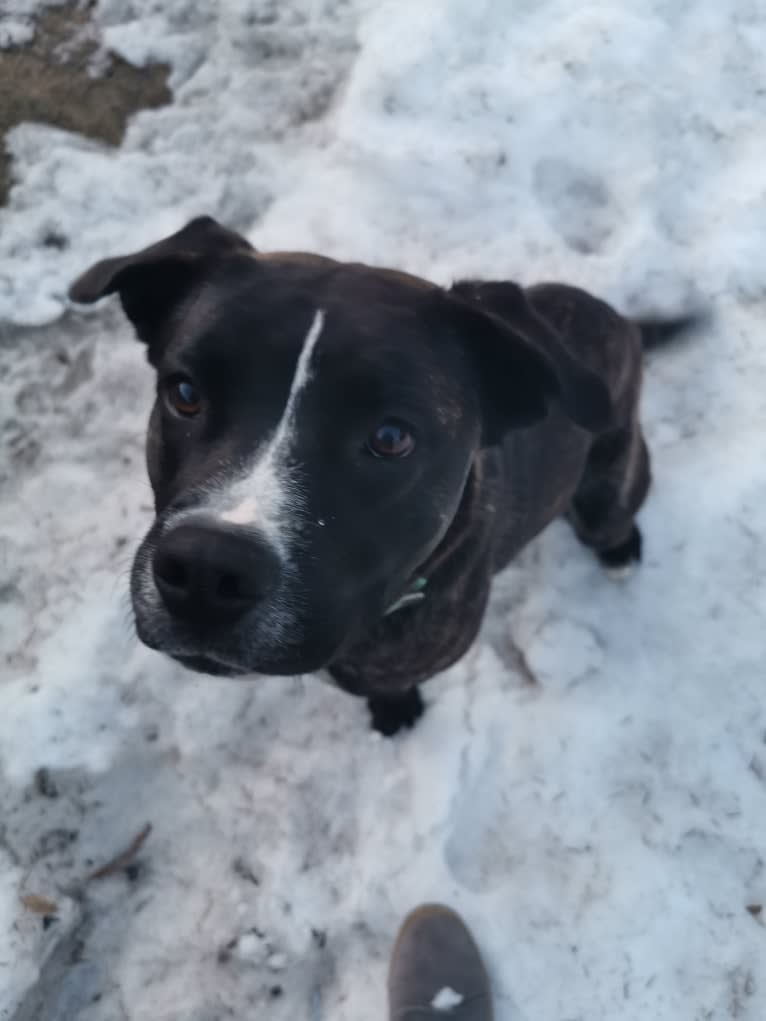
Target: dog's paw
620, 560
390, 714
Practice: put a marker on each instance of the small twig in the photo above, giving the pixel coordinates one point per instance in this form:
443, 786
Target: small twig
522, 664
122, 860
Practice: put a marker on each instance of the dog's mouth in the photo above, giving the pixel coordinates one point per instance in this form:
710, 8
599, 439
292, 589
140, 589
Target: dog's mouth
250, 664
210, 665
231, 661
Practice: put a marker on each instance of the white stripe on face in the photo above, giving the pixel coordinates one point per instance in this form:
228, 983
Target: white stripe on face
266, 495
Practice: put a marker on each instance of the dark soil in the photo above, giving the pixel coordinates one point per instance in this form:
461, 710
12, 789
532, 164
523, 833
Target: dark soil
51, 80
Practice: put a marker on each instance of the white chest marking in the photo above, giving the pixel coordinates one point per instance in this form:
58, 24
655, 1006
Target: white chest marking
268, 494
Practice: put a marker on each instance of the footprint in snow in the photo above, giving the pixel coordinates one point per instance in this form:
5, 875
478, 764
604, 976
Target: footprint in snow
576, 203
561, 653
481, 851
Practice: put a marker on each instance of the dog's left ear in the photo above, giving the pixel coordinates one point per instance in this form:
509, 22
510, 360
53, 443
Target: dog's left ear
523, 364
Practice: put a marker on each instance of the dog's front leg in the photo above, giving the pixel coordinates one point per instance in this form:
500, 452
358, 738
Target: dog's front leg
391, 713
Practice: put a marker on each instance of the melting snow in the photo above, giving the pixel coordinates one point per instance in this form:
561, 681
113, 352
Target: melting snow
446, 999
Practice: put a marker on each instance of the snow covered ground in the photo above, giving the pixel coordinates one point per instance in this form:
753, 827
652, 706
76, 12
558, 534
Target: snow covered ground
589, 785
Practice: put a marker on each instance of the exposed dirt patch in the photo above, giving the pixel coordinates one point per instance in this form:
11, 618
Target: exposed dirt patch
63, 78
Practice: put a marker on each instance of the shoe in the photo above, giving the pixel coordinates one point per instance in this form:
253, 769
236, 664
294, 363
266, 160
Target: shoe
436, 971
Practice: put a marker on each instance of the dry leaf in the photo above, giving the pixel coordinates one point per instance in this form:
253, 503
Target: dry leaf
39, 905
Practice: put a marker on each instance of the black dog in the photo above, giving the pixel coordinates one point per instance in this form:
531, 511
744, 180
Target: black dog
342, 456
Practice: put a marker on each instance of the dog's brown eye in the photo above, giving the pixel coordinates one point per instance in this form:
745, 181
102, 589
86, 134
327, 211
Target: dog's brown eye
183, 397
392, 438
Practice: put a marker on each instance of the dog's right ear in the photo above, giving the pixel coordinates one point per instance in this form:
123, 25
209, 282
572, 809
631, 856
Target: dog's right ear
151, 282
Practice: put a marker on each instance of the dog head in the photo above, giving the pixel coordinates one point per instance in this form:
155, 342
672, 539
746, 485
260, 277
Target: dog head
313, 430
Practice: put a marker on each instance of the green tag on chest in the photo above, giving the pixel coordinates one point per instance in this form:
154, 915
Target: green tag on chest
414, 594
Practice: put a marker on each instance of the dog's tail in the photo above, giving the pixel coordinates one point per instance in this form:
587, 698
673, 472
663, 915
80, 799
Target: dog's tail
657, 331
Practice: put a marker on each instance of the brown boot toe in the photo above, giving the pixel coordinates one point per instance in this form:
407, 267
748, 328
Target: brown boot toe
436, 972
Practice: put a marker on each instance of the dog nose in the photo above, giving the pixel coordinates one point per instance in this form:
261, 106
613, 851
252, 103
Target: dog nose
212, 575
